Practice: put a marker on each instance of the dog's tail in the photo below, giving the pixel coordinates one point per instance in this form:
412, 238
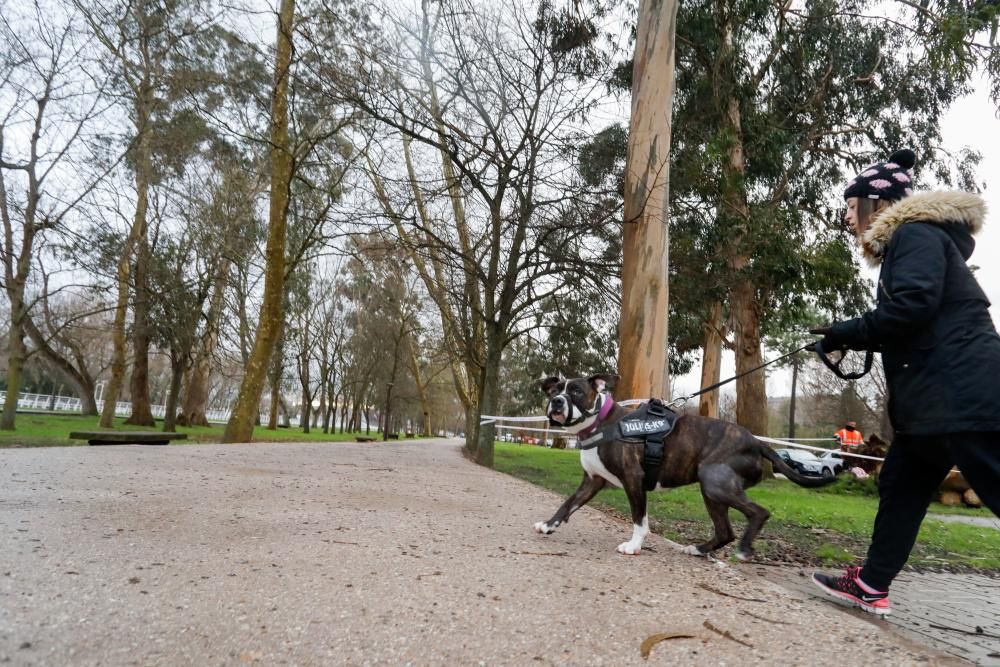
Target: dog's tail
788, 471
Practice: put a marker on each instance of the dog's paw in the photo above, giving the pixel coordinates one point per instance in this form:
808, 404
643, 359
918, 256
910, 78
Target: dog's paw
692, 550
543, 528
743, 556
629, 549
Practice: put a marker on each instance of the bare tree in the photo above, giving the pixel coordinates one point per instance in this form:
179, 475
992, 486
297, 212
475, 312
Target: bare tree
67, 331
50, 102
492, 99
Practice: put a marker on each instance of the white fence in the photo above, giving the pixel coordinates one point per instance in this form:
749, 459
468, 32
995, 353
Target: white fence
72, 404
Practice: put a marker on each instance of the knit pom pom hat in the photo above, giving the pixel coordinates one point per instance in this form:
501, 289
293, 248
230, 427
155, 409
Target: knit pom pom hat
890, 180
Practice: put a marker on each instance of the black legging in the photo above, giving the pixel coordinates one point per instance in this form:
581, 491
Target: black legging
913, 470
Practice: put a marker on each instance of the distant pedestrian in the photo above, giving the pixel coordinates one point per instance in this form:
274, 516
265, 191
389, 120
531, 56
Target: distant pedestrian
941, 355
850, 437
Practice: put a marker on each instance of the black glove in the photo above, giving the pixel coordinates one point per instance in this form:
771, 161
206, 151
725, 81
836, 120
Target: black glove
828, 341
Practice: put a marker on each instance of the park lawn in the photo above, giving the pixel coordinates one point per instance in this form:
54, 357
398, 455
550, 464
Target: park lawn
48, 430
806, 525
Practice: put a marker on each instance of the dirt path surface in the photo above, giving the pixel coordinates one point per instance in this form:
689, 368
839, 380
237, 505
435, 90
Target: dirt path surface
330, 554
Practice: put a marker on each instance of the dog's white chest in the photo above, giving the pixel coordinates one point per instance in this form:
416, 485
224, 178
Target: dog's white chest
594, 467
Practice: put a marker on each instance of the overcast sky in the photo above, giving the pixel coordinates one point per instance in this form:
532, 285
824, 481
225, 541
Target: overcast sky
971, 122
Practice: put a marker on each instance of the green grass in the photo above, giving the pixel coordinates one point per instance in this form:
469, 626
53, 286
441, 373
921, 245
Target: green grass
34, 430
806, 525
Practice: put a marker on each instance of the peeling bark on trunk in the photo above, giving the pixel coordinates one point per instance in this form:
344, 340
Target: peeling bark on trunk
642, 359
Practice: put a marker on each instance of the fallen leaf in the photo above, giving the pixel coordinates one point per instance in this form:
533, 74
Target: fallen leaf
649, 642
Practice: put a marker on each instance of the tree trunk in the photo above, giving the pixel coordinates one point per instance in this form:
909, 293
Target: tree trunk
16, 354
488, 399
275, 371
113, 389
751, 397
642, 356
196, 395
321, 410
170, 413
272, 417
306, 394
711, 362
791, 402
115, 382
330, 416
385, 414
425, 407
142, 414
240, 426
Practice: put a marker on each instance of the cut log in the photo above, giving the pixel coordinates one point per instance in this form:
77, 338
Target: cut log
971, 498
951, 498
954, 482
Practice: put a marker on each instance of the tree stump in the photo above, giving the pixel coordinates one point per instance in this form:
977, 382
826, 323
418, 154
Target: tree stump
951, 498
971, 499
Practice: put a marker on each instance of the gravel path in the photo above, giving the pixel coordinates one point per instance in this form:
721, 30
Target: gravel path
402, 553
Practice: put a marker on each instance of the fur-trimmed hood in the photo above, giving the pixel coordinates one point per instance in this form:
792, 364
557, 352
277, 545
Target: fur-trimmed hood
946, 207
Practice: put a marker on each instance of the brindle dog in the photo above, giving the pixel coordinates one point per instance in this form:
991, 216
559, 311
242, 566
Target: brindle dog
723, 457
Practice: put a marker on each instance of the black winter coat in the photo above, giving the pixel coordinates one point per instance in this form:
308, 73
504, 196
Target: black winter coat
939, 347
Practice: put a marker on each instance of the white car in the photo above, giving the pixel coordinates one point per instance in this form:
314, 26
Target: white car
833, 463
802, 461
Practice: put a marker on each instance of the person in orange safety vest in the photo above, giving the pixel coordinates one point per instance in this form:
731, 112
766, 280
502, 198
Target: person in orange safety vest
850, 437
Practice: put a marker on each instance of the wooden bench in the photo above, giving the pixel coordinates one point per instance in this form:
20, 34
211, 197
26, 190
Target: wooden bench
411, 435
392, 436
365, 438
126, 437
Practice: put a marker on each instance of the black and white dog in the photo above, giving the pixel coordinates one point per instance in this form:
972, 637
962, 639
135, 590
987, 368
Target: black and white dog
723, 457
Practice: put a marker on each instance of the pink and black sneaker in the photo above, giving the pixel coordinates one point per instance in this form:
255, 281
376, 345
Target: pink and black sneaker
850, 588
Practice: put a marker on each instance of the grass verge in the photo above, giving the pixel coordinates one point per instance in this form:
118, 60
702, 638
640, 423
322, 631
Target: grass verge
38, 430
807, 525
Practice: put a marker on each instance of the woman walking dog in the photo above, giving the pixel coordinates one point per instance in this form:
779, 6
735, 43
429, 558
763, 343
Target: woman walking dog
941, 355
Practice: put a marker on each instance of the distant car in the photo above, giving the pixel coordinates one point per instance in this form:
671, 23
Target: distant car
833, 463
801, 461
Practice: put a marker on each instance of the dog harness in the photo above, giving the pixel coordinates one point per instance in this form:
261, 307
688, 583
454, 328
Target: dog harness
650, 423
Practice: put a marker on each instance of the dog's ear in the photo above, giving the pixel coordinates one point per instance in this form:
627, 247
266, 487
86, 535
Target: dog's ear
602, 381
550, 382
